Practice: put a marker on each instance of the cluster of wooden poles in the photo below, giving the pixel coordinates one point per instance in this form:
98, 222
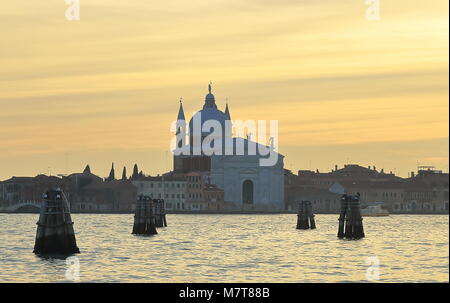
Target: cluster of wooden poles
55, 234
305, 217
350, 219
150, 214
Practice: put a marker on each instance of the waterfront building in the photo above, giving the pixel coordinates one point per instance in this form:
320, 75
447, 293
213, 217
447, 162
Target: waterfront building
90, 193
27, 189
201, 194
118, 196
426, 192
182, 192
196, 182
171, 188
213, 198
373, 185
85, 191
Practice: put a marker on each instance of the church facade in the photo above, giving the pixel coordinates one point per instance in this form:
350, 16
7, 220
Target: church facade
247, 184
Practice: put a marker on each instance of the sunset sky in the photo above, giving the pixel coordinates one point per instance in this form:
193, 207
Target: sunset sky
107, 87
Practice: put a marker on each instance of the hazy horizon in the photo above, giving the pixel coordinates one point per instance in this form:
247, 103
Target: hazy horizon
107, 87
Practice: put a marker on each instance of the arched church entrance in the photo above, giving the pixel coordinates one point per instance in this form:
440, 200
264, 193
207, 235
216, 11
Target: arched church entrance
247, 192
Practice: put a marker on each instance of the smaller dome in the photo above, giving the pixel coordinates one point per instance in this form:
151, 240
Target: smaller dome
210, 101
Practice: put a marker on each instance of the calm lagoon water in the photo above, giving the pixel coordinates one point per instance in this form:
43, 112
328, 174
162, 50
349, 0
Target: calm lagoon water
233, 248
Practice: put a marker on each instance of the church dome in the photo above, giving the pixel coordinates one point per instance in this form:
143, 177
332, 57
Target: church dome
208, 114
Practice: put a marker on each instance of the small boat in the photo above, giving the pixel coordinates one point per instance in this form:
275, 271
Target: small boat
374, 211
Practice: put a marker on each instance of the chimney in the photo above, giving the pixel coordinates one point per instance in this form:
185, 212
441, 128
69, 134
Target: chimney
412, 174
374, 167
369, 167
335, 168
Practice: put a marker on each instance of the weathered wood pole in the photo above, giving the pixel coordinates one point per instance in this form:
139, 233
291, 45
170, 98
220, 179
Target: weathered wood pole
160, 213
342, 216
163, 213
312, 222
55, 234
144, 219
137, 226
357, 231
351, 214
305, 216
302, 218
157, 211
348, 233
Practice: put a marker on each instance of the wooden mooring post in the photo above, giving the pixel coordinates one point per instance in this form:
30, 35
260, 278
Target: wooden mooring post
144, 218
350, 219
55, 233
342, 216
305, 216
160, 213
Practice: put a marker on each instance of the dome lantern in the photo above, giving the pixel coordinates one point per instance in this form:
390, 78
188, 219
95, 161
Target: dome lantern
210, 100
